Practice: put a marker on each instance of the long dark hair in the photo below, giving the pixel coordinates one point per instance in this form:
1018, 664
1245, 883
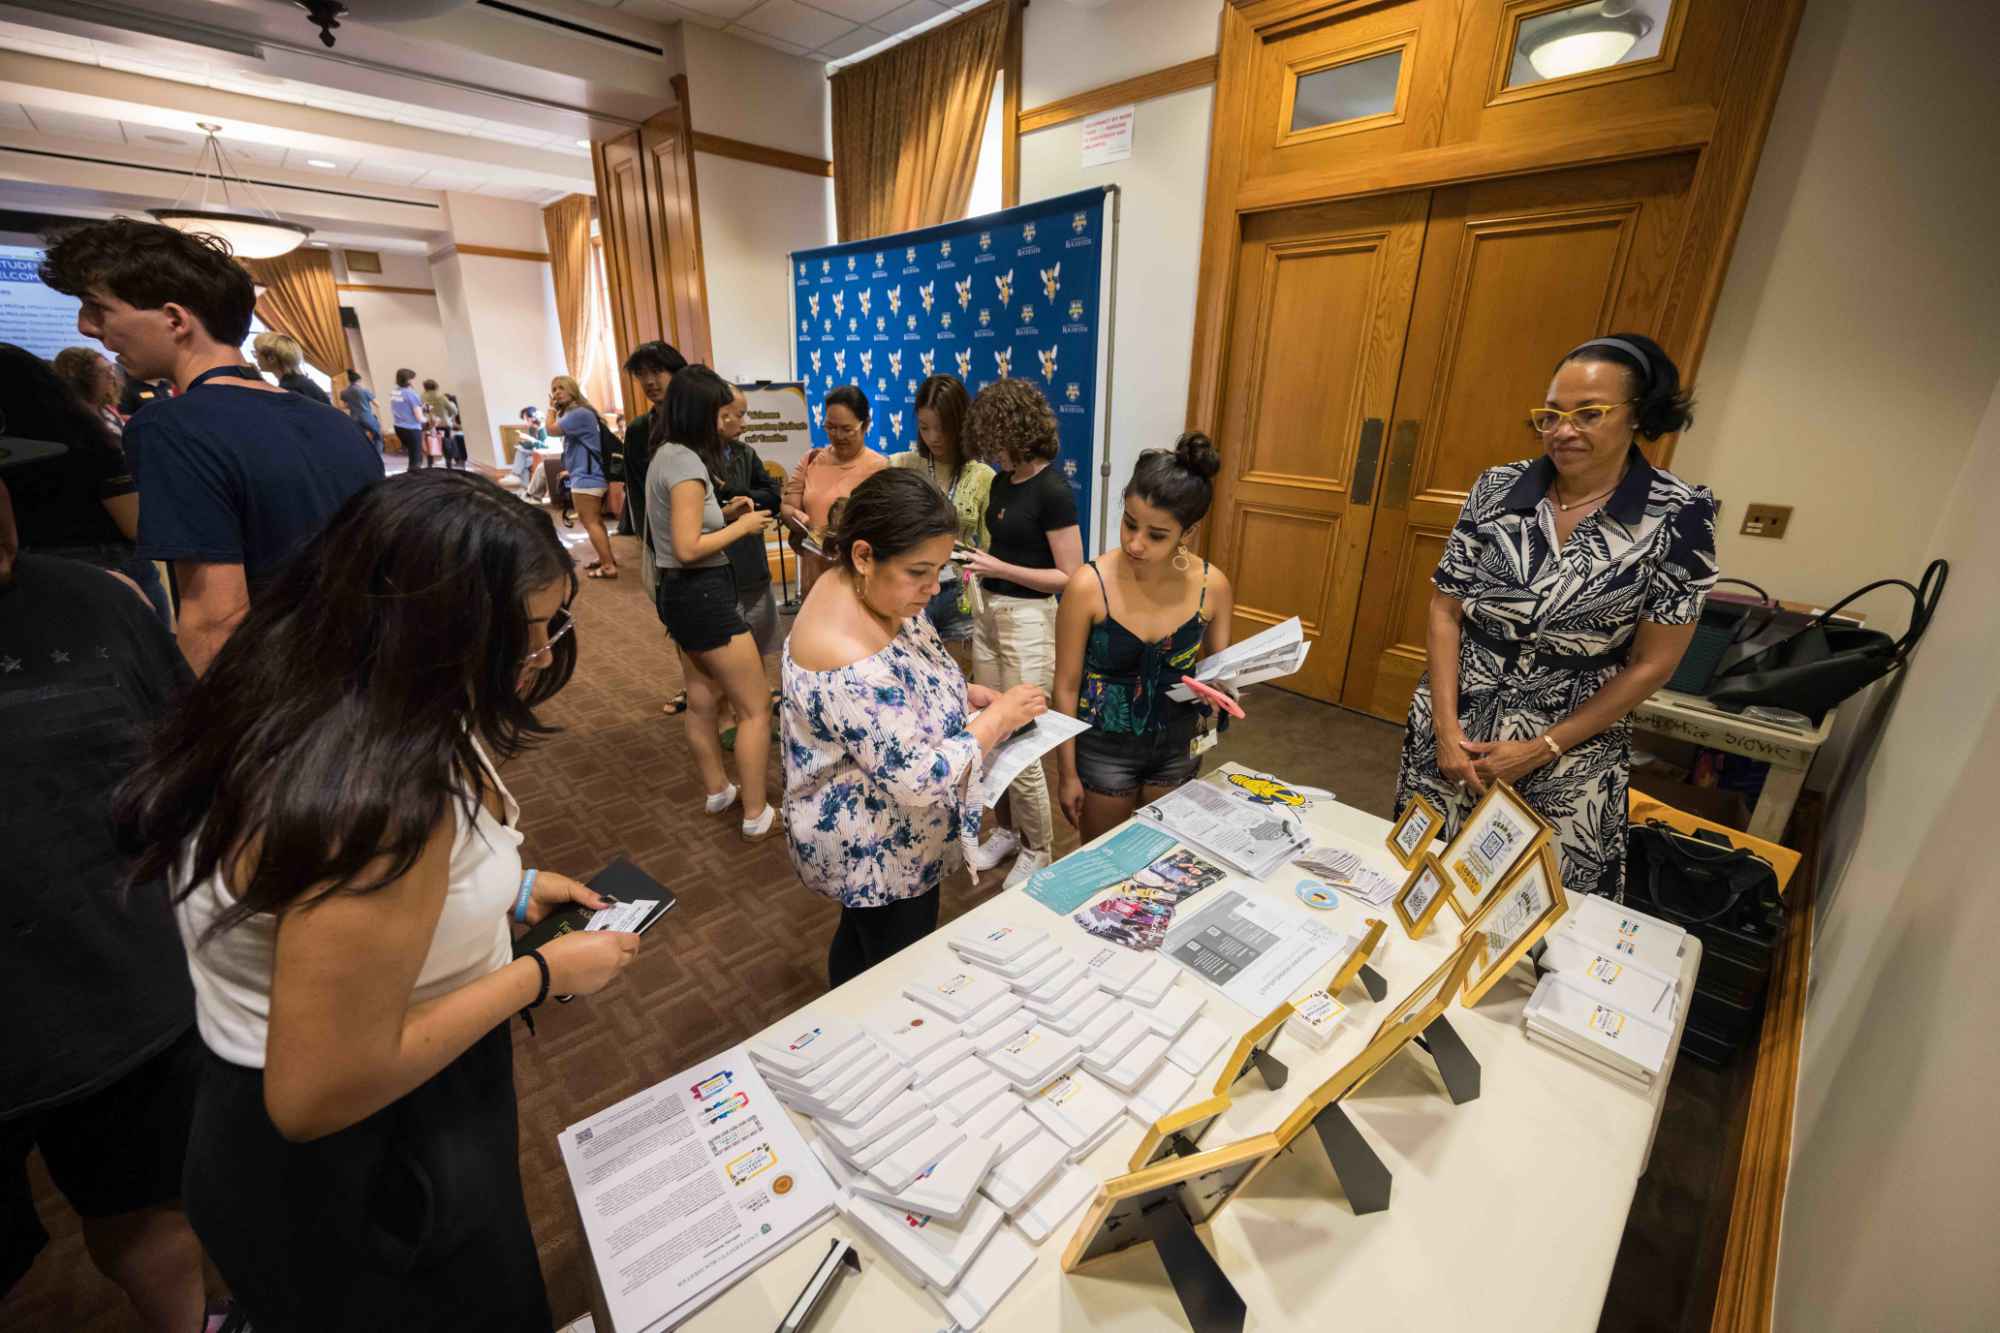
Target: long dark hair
893, 511
694, 398
944, 395
339, 718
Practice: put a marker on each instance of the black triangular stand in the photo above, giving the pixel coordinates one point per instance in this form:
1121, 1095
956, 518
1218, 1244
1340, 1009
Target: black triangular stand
1361, 1173
1372, 982
1271, 1067
1455, 1063
1207, 1296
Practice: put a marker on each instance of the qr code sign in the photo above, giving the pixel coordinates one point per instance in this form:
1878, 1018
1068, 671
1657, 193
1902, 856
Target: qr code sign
1495, 841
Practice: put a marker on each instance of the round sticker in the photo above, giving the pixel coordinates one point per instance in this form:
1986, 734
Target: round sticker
1317, 895
782, 1186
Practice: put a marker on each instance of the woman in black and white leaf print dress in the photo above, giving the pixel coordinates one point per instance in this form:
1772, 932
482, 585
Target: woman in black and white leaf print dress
1568, 590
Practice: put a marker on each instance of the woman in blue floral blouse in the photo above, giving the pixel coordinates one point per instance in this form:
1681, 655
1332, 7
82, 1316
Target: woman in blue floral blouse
882, 745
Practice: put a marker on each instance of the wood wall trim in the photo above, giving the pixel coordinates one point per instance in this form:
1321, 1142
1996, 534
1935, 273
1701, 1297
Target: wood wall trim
1682, 129
1749, 1278
1010, 107
384, 287
1198, 73
740, 151
489, 252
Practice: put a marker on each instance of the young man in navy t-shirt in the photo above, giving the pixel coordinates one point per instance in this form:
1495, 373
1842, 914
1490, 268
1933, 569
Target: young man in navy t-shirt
234, 473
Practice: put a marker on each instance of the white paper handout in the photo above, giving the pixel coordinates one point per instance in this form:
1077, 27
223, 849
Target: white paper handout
1011, 757
1255, 952
1277, 651
1251, 839
687, 1186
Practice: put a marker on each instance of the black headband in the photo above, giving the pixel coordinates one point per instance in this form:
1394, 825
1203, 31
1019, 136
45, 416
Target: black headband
1630, 349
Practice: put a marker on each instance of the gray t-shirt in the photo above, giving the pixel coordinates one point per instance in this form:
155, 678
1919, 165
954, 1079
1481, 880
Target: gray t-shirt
671, 465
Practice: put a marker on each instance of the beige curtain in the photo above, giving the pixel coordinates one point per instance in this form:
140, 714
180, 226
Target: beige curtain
907, 125
299, 298
567, 222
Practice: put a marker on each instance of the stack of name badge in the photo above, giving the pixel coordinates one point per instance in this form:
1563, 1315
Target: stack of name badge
1316, 1017
1611, 989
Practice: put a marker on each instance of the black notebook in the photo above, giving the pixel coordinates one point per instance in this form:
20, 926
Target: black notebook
621, 881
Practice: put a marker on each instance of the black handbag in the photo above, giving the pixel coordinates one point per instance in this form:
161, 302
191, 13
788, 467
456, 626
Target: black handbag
1722, 626
1698, 880
1824, 663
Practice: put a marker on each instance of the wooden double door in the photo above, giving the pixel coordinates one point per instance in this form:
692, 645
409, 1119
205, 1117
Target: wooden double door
1381, 353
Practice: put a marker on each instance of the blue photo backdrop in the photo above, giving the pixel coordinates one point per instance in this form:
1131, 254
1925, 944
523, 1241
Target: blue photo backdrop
1016, 293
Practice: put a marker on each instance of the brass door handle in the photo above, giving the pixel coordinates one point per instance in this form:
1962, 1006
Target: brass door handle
1402, 461
1364, 467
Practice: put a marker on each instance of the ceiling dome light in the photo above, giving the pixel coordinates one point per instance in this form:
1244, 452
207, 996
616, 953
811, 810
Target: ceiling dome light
1584, 43
250, 235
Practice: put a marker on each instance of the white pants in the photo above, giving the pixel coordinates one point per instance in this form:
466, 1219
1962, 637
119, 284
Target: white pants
1014, 643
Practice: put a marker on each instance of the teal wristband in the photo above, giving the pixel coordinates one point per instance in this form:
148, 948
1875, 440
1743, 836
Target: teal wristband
521, 903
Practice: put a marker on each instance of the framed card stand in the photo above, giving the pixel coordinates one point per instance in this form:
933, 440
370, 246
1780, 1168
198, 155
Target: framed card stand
1423, 1012
1501, 830
1161, 1206
1253, 1051
1527, 904
1418, 901
1414, 829
1356, 967
1178, 1133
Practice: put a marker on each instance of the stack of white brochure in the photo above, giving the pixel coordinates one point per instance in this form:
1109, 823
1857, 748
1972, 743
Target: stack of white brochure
1626, 935
1202, 1042
929, 1249
1030, 1156
1611, 992
1562, 1015
1004, 1262
1072, 1188
1035, 1057
1077, 1109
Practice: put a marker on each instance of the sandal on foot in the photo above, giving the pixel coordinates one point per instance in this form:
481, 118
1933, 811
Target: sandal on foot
676, 705
599, 572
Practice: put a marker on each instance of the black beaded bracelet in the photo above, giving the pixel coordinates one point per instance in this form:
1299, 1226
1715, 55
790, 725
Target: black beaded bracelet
542, 995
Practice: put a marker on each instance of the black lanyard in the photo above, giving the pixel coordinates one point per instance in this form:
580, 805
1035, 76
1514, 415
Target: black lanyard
238, 372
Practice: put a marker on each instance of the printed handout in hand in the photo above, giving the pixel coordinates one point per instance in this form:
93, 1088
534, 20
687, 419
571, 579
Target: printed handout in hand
1277, 651
1026, 746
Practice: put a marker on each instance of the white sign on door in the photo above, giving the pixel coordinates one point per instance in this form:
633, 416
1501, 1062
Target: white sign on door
1107, 136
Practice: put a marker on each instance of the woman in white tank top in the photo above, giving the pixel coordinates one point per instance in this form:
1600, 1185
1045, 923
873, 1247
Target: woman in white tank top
345, 858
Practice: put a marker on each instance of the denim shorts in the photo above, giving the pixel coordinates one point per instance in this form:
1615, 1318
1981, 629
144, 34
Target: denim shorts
698, 607
1112, 764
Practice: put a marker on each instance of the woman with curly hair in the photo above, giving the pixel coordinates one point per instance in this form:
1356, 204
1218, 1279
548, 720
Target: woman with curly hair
1036, 545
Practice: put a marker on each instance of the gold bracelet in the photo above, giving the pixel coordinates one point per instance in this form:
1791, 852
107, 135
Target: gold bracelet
1550, 741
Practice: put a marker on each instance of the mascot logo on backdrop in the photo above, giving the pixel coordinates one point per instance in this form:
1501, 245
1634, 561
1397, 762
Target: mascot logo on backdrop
1027, 315
964, 360
895, 363
840, 361
812, 302
896, 426
985, 318
829, 326
867, 362
815, 360
1005, 282
1051, 279
944, 320
863, 298
985, 240
802, 268
879, 260
911, 385
881, 323
1048, 365
1003, 362
850, 263
818, 412
853, 326
1072, 391
881, 386
1028, 234
928, 360
927, 293
1080, 223
839, 304
895, 295
910, 255
826, 266
1076, 309
964, 290
805, 326
913, 323
944, 249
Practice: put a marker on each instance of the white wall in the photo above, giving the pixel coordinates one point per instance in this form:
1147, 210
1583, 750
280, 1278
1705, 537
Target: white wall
1856, 339
1068, 50
1889, 1207
502, 340
752, 216
398, 329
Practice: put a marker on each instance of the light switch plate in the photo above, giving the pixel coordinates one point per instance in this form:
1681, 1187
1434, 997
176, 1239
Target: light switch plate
1760, 520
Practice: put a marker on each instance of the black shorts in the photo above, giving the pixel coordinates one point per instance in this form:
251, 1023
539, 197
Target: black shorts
698, 607
1111, 764
113, 1151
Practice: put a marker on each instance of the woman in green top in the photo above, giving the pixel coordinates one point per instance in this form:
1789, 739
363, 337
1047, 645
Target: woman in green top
1131, 624
938, 454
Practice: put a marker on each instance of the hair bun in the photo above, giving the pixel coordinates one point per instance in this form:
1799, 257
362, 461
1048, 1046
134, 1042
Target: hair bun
1197, 453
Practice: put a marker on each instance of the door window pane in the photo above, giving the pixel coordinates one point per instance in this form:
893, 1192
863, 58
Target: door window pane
1347, 92
1586, 37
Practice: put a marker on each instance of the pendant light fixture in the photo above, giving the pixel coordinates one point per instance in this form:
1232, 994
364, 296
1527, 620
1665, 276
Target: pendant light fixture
258, 234
1597, 38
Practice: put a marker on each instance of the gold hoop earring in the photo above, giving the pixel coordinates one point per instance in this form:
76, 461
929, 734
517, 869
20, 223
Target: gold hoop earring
1182, 560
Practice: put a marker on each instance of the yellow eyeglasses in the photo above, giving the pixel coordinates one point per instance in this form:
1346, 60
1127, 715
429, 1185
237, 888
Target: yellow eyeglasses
1545, 420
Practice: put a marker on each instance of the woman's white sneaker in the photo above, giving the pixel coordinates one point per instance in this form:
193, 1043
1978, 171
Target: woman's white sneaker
1025, 865
721, 801
760, 828
982, 857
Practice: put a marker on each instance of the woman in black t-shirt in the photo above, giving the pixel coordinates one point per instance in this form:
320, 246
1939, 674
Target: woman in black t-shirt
1037, 545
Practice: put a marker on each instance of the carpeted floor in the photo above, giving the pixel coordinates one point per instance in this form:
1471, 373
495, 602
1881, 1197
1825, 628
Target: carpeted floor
747, 944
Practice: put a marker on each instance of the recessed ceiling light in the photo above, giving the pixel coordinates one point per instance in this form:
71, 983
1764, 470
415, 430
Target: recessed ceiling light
583, 143
320, 162
320, 244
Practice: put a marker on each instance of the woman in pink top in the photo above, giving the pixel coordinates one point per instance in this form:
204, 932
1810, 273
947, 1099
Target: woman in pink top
826, 475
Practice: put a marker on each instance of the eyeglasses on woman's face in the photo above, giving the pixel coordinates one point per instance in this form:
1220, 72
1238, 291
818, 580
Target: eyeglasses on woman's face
1547, 420
561, 623
846, 430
